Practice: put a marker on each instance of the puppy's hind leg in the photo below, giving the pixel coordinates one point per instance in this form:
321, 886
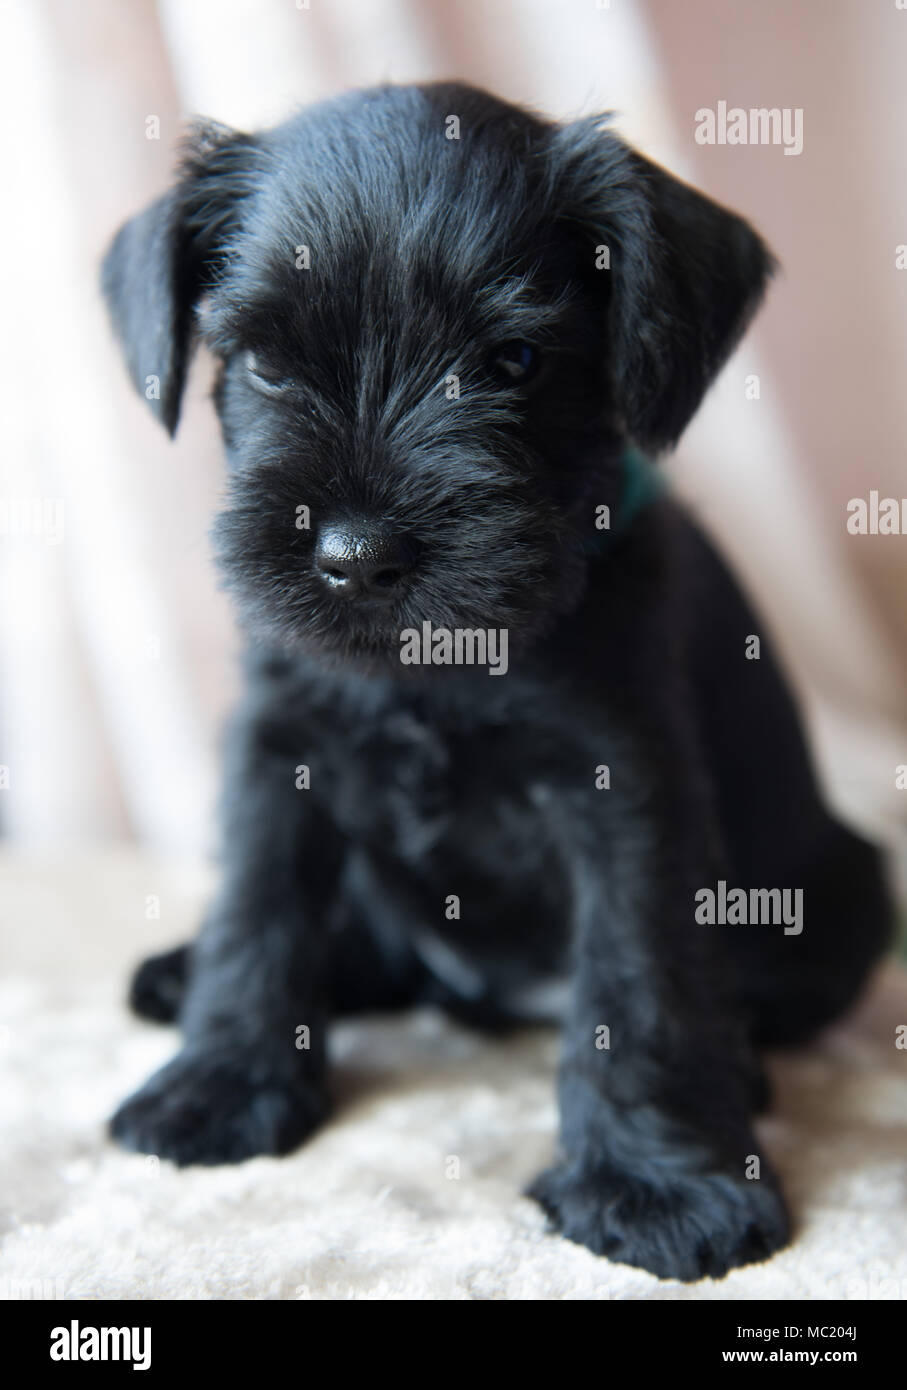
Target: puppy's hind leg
159, 984
794, 985
366, 973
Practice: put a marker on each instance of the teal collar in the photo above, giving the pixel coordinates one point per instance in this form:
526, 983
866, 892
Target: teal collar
640, 484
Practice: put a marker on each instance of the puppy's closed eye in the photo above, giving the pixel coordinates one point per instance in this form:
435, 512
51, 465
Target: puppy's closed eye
266, 378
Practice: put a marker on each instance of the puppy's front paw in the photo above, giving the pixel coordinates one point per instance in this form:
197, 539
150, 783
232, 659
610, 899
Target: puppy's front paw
699, 1226
216, 1109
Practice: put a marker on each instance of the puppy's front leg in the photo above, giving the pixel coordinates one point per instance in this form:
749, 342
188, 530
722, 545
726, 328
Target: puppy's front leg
250, 1078
660, 1167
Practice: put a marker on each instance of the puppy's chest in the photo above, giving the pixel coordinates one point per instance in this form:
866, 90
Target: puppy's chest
408, 786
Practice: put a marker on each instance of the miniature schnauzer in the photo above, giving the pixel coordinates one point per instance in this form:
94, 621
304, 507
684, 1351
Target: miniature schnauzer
509, 729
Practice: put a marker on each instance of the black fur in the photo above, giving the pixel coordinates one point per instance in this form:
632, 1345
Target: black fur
427, 254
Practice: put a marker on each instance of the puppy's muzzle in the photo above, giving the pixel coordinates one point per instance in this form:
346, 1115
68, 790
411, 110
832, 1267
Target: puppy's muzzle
363, 561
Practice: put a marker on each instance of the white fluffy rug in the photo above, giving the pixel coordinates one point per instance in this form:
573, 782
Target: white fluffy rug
372, 1208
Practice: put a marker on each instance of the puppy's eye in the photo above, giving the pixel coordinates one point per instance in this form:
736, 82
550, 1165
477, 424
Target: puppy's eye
264, 376
515, 363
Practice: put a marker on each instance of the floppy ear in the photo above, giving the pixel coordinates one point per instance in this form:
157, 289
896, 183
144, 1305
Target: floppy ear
686, 276
162, 260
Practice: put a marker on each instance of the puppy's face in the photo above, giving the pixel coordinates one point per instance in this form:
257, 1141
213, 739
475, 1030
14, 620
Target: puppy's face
438, 319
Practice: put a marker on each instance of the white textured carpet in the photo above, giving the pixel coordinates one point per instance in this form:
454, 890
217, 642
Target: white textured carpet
369, 1208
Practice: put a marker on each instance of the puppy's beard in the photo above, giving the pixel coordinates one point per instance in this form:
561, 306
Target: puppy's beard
368, 637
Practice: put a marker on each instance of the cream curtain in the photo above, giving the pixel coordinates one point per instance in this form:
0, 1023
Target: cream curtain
115, 646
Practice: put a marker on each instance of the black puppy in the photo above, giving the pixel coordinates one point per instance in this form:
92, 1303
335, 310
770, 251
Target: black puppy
442, 323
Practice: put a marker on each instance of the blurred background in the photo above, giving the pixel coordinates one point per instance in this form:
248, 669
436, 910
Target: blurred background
115, 645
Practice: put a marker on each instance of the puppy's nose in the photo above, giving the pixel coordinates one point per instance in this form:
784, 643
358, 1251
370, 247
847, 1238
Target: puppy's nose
363, 561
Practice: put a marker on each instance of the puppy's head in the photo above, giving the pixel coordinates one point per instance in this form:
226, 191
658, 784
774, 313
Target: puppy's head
438, 321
